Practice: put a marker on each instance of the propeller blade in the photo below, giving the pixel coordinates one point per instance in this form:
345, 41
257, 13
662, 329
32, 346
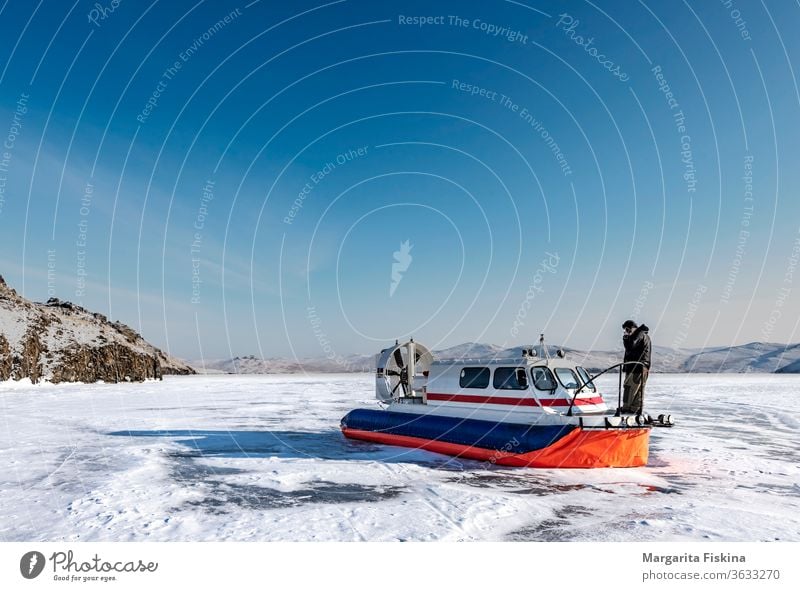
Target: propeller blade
398, 357
391, 372
395, 388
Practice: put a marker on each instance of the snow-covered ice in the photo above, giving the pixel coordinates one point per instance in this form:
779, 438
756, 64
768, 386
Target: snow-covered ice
262, 458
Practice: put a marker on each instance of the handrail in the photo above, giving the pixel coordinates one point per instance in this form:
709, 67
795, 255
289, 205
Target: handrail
592, 378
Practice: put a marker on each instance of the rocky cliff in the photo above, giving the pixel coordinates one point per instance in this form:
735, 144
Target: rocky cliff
62, 342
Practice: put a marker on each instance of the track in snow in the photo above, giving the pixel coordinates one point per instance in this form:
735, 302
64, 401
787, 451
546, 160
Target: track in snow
262, 458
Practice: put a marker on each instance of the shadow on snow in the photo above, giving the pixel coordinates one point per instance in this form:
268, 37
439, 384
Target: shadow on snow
324, 445
219, 494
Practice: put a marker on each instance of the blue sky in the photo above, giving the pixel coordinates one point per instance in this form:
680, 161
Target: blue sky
236, 178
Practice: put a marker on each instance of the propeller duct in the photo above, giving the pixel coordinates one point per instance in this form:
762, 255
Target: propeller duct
401, 371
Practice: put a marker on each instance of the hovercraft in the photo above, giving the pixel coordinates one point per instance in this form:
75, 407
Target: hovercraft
532, 410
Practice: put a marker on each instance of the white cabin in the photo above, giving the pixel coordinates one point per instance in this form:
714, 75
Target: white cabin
527, 389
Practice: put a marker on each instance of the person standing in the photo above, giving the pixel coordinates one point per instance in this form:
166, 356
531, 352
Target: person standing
638, 348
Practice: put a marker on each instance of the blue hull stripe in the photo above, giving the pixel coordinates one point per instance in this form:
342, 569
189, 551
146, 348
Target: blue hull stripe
512, 437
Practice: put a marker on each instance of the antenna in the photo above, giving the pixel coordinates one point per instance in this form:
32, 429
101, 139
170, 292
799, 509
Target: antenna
545, 352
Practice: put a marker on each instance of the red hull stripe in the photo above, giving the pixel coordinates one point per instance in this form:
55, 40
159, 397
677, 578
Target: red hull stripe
604, 448
511, 401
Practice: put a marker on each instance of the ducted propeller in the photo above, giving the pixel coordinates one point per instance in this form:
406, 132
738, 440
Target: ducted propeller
401, 371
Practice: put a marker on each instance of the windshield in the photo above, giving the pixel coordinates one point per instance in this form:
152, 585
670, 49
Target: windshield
586, 379
543, 378
567, 378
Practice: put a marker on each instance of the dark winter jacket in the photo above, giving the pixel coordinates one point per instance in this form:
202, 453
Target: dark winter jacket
637, 348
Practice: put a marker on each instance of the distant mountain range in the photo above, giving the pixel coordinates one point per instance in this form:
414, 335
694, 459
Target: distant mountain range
752, 357
62, 342
59, 341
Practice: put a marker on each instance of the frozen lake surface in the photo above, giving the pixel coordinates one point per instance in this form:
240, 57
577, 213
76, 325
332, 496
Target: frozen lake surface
262, 458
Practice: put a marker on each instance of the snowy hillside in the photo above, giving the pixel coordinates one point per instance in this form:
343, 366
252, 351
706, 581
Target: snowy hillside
59, 341
474, 351
752, 357
251, 364
793, 367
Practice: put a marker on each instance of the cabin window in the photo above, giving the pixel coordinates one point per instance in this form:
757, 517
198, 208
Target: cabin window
510, 378
586, 379
543, 378
567, 378
474, 377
